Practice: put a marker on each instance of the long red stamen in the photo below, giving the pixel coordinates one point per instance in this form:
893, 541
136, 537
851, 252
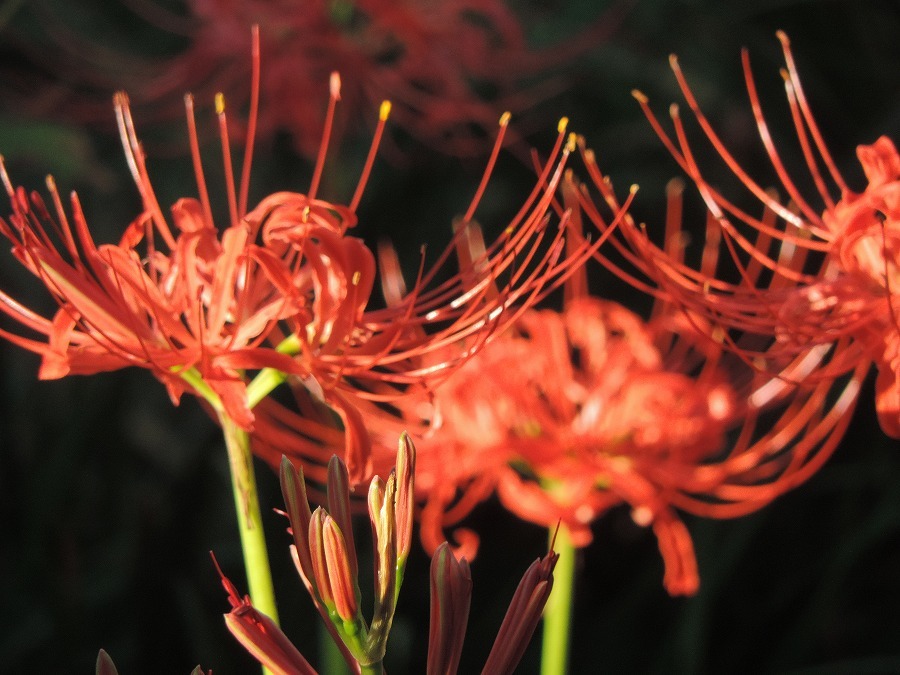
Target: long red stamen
134, 155
807, 113
197, 161
504, 123
334, 88
251, 121
383, 114
226, 158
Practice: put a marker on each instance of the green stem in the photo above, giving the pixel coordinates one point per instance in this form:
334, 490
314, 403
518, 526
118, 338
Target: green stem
371, 669
246, 503
330, 656
268, 378
558, 612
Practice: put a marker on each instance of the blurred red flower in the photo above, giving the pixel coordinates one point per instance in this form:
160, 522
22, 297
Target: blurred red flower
450, 67
572, 413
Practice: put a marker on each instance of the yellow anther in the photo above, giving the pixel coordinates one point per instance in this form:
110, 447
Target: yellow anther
639, 95
504, 118
563, 123
355, 279
384, 111
220, 103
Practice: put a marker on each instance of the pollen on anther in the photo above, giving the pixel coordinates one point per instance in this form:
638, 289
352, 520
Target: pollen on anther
384, 111
504, 118
220, 103
563, 123
355, 279
639, 95
334, 85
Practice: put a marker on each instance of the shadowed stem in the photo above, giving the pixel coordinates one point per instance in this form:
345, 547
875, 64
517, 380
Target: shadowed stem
558, 612
330, 656
246, 503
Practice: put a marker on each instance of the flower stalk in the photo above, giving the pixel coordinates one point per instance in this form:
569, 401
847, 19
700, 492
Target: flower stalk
558, 612
246, 503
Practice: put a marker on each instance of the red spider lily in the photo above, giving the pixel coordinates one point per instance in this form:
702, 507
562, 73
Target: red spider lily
811, 270
325, 556
450, 67
569, 414
281, 290
427, 332
194, 305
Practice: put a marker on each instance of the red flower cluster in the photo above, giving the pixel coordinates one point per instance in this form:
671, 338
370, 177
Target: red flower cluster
281, 291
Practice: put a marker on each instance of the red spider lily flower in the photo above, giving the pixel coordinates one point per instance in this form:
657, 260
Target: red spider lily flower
812, 270
282, 290
430, 58
191, 304
424, 333
571, 413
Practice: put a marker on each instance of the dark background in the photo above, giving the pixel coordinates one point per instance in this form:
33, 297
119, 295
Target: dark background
110, 498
